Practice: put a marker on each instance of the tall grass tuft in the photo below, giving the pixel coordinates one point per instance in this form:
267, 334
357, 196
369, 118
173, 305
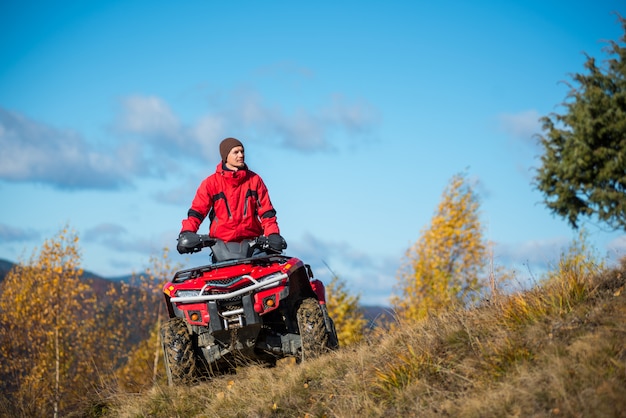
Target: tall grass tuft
561, 290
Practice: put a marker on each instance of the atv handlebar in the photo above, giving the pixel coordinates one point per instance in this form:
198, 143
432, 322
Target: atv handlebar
190, 242
265, 244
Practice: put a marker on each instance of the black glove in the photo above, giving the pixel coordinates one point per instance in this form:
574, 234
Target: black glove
187, 240
276, 242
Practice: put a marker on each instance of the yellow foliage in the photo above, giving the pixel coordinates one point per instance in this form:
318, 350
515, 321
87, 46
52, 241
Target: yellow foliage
60, 341
45, 311
443, 268
343, 308
144, 364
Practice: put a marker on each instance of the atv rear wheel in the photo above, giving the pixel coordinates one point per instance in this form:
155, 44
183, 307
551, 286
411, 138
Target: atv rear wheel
312, 329
178, 352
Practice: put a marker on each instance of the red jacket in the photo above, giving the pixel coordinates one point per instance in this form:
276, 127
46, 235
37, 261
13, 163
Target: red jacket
237, 204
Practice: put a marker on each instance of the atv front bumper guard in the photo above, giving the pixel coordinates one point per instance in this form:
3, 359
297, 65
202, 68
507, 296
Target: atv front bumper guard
263, 283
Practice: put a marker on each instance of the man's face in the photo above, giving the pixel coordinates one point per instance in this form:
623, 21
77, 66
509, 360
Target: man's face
235, 158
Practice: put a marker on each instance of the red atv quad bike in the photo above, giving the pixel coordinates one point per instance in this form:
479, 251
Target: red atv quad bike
251, 305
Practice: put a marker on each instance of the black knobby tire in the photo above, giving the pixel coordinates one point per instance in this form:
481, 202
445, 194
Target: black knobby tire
178, 352
312, 329
333, 340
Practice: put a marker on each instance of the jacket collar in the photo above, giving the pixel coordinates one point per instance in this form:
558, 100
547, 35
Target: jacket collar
238, 175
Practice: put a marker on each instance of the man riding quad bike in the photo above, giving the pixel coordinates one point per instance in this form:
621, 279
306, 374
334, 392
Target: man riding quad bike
252, 304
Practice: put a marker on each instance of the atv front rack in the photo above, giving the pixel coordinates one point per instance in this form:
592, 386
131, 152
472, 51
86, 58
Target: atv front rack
196, 272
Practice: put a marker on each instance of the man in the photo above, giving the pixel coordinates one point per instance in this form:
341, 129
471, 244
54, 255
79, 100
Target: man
236, 201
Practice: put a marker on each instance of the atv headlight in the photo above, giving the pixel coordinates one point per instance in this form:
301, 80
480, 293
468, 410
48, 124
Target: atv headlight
270, 276
272, 279
187, 293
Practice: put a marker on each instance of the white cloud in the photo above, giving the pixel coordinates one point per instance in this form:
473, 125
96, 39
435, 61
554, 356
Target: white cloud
207, 132
116, 238
521, 128
11, 234
149, 139
148, 115
299, 129
617, 248
246, 114
32, 151
522, 125
534, 257
102, 231
179, 196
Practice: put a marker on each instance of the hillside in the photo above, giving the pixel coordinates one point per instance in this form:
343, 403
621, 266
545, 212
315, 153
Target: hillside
557, 350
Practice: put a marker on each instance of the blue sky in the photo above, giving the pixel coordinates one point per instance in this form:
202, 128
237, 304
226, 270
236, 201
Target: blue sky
355, 113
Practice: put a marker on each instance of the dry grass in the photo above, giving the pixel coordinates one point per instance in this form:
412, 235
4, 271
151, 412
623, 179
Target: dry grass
556, 350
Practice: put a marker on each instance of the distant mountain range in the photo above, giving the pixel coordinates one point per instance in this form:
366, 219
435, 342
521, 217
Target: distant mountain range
6, 266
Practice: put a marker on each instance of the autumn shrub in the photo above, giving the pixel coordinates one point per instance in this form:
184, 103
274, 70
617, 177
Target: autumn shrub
345, 311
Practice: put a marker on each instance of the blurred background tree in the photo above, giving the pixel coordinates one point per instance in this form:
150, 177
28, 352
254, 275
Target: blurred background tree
144, 363
65, 340
583, 167
46, 312
343, 308
443, 268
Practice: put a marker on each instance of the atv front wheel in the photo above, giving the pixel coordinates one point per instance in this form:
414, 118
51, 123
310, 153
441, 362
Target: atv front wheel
178, 352
312, 329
